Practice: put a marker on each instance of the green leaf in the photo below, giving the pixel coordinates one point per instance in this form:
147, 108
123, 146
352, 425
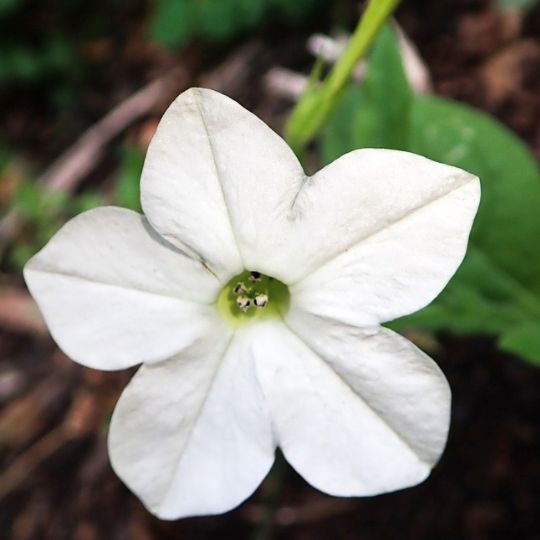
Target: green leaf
388, 98
524, 341
479, 299
498, 285
497, 288
507, 226
376, 114
338, 138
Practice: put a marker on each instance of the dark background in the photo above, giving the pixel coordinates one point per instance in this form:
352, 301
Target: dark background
63, 67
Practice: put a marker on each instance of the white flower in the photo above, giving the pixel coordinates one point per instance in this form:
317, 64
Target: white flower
355, 408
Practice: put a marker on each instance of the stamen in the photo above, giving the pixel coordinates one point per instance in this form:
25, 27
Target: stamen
251, 296
243, 302
260, 300
254, 277
239, 288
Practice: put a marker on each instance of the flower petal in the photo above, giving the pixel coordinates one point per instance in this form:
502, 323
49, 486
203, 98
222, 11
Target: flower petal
114, 294
218, 182
398, 232
356, 412
192, 435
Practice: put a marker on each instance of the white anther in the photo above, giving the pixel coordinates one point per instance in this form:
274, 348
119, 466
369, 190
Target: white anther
261, 300
239, 288
254, 276
243, 302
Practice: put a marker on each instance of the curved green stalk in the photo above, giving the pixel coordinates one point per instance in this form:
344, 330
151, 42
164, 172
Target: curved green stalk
318, 103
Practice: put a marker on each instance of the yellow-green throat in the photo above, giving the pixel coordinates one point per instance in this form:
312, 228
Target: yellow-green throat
250, 296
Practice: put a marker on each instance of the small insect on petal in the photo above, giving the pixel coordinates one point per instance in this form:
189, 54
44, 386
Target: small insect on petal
261, 300
243, 302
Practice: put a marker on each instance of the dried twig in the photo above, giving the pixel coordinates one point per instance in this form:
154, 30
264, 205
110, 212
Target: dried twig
233, 72
66, 173
19, 313
83, 419
27, 462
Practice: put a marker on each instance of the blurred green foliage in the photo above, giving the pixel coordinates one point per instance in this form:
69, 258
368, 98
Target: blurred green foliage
497, 288
44, 49
8, 5
127, 190
174, 22
31, 46
23, 63
45, 211
41, 41
508, 4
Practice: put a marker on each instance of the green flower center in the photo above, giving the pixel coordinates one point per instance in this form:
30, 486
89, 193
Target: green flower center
251, 296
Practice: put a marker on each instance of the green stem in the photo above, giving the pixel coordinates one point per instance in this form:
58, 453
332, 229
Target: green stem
316, 105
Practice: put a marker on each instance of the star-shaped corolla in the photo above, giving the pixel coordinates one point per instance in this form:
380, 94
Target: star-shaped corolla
253, 296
